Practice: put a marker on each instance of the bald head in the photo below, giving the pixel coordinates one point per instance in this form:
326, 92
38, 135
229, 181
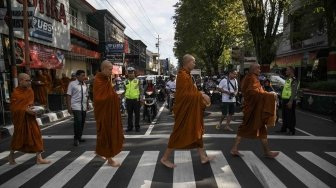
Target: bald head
106, 67
24, 80
255, 69
188, 62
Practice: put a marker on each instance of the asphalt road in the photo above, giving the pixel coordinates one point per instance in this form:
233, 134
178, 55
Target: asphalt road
307, 159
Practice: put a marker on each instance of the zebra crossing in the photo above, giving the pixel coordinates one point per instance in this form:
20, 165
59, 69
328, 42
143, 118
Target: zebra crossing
148, 166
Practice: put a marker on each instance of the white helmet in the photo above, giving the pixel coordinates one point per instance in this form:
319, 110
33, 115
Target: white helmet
150, 78
130, 69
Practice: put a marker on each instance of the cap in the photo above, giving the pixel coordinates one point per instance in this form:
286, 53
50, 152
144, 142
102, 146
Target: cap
130, 69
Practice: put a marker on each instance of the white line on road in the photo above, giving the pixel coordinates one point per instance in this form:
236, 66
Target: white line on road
261, 171
105, 173
183, 172
319, 117
60, 179
57, 123
331, 154
151, 126
318, 161
304, 132
299, 172
28, 174
4, 154
222, 170
6, 167
144, 172
156, 136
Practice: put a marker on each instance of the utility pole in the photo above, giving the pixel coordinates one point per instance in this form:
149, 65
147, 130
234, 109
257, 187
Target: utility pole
11, 44
158, 46
26, 40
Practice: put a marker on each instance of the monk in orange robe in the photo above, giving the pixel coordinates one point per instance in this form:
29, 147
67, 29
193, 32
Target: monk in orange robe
110, 135
40, 88
27, 135
49, 81
259, 112
65, 82
188, 111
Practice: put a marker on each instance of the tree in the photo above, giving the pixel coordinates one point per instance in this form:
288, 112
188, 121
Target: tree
206, 28
263, 17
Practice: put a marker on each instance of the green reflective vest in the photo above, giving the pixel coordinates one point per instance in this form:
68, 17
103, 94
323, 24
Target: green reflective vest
287, 89
132, 89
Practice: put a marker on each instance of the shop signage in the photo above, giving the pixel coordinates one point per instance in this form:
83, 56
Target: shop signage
113, 47
41, 29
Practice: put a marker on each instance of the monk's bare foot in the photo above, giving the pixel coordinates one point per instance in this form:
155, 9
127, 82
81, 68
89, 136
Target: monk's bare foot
235, 153
42, 161
113, 163
104, 158
207, 159
167, 163
11, 160
271, 154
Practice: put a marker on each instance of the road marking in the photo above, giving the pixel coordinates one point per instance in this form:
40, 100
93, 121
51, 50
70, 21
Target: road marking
4, 154
28, 174
299, 172
331, 154
60, 179
151, 126
319, 117
6, 167
318, 161
222, 171
57, 123
183, 172
279, 137
106, 172
260, 170
304, 132
144, 172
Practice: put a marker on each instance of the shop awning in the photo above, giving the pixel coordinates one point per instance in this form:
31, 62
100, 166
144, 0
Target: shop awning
295, 60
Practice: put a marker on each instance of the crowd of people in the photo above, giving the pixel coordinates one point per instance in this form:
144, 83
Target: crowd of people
259, 106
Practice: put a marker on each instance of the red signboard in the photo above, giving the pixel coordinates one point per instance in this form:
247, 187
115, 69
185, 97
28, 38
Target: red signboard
85, 52
40, 56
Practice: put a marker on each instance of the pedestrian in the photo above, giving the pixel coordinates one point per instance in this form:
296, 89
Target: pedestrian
188, 109
288, 97
133, 97
27, 134
49, 81
78, 104
170, 90
269, 88
229, 89
259, 112
40, 88
65, 82
110, 136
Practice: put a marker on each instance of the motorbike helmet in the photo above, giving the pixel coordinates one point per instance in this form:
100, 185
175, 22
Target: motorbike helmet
149, 79
130, 69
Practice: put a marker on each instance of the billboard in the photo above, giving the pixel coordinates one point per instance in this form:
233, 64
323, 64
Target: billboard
49, 24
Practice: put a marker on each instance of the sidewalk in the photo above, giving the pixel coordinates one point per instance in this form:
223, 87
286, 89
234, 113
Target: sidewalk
42, 120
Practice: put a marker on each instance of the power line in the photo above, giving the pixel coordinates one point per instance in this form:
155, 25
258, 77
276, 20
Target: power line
150, 22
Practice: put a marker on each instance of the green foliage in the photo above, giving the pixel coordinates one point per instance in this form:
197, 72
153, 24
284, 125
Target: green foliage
206, 28
329, 85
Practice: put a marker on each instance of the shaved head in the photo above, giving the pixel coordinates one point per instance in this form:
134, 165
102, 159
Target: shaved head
255, 69
106, 67
188, 62
24, 80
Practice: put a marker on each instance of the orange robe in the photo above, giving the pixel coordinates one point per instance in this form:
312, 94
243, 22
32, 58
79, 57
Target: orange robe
41, 90
65, 83
110, 134
27, 135
48, 82
258, 109
188, 110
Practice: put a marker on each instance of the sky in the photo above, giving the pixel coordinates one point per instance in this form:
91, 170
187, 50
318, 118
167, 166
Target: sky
145, 20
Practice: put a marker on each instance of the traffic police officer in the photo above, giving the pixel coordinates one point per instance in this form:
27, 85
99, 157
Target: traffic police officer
132, 94
288, 97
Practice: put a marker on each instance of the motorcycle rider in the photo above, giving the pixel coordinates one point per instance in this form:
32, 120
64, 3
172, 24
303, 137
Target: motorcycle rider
160, 84
149, 87
170, 87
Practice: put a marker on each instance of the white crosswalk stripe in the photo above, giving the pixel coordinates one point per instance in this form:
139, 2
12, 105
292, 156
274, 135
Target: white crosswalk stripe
303, 175
318, 161
182, 176
4, 154
25, 176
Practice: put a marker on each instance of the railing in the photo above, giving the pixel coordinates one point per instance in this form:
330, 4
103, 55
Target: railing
83, 28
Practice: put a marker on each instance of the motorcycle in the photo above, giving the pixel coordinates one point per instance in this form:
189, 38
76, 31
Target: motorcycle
150, 108
160, 93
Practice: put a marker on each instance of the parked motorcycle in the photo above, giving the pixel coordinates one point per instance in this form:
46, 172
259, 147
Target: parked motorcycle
150, 106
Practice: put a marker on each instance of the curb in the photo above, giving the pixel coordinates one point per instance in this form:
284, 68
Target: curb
44, 119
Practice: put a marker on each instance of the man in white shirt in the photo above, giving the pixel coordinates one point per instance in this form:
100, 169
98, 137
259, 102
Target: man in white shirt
170, 85
77, 101
229, 89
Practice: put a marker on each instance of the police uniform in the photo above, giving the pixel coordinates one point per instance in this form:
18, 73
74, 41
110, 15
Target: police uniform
132, 95
288, 95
